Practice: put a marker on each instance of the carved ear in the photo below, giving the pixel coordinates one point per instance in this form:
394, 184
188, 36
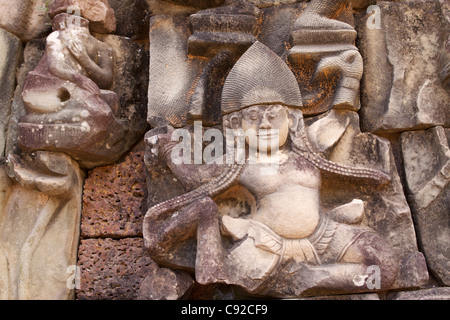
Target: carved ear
296, 123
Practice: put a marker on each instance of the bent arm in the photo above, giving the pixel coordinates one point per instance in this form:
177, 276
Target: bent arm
189, 174
58, 67
102, 72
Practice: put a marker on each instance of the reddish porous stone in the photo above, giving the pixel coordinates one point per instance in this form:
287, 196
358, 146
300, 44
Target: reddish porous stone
98, 12
115, 199
112, 269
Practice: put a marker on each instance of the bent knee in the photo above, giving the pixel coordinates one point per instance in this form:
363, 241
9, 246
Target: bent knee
375, 251
207, 207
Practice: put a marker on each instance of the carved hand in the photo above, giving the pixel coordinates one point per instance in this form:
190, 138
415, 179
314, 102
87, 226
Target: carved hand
86, 83
77, 48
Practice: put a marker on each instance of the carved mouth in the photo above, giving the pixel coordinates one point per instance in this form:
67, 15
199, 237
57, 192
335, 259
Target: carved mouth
267, 136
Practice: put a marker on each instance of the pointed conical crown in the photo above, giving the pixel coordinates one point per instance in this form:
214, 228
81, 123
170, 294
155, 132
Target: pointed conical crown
260, 76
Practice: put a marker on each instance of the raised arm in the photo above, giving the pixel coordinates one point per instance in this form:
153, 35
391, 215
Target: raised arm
189, 174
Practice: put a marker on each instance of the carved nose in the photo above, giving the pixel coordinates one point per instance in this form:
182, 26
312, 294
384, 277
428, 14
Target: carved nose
265, 123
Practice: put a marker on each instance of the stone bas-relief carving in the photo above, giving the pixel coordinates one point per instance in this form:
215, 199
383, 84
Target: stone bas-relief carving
43, 210
83, 98
231, 226
283, 244
334, 206
68, 105
77, 113
427, 162
403, 79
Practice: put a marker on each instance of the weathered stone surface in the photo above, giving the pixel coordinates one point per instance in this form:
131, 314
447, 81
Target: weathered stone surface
32, 54
424, 294
10, 53
5, 188
170, 76
43, 208
26, 19
112, 269
324, 58
165, 284
131, 65
98, 12
401, 85
230, 215
268, 3
115, 199
214, 292
92, 110
201, 4
362, 4
426, 157
356, 297
135, 28
276, 27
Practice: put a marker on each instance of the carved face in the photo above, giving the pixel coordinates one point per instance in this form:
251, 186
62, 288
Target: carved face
264, 123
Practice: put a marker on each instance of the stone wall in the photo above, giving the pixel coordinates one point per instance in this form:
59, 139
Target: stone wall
399, 121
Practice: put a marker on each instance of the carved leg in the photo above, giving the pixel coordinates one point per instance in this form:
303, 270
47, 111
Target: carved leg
208, 265
198, 219
354, 261
368, 264
372, 250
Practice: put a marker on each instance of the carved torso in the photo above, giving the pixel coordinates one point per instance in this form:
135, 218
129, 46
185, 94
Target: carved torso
287, 202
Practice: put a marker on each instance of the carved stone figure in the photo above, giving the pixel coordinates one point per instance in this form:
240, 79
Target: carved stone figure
69, 107
326, 45
283, 245
39, 229
77, 114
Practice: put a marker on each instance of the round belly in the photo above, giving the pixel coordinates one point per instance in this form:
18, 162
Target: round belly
293, 214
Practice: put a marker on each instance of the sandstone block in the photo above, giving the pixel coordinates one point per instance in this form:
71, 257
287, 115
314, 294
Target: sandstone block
26, 19
423, 294
10, 51
401, 85
427, 168
99, 13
